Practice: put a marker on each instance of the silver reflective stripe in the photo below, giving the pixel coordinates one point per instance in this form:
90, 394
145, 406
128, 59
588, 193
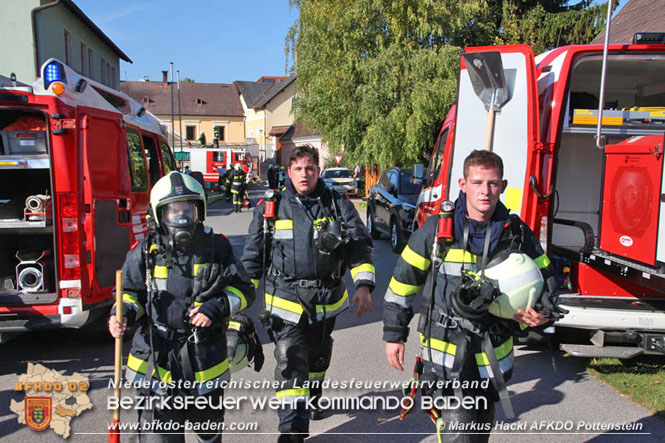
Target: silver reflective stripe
210, 385
132, 376
364, 276
319, 378
505, 364
451, 268
284, 314
160, 283
234, 302
438, 357
398, 299
283, 234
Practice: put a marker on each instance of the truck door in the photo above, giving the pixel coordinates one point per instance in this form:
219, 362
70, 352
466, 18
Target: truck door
515, 129
139, 187
105, 197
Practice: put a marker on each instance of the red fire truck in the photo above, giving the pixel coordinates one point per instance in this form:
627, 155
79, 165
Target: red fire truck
208, 159
77, 161
596, 203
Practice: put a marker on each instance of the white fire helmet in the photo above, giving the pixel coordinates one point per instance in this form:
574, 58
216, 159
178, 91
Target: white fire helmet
520, 282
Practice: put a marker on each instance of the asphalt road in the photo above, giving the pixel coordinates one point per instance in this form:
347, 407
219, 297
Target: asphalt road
553, 397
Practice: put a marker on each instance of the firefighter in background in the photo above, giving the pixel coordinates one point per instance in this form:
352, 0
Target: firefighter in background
226, 187
238, 187
312, 236
281, 178
202, 139
180, 285
461, 339
272, 182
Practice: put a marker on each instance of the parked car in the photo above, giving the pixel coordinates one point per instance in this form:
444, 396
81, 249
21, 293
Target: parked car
339, 179
391, 207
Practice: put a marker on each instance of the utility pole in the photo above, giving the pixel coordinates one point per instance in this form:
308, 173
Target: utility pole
172, 117
179, 115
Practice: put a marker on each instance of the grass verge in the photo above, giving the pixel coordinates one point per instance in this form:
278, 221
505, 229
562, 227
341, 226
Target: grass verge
642, 380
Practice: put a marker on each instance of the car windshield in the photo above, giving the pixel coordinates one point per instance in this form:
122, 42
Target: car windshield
337, 173
406, 186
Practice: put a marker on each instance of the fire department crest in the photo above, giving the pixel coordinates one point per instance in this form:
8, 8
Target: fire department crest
38, 412
52, 400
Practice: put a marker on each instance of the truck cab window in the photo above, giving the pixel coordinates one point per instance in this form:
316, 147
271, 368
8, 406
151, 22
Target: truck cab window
167, 158
136, 162
153, 158
435, 165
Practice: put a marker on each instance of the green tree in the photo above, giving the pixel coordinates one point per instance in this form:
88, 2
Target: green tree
378, 76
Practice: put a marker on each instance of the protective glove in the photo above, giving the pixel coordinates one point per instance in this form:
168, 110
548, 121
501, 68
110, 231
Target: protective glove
207, 283
549, 301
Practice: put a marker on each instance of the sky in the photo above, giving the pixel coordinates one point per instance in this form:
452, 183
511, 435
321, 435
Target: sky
210, 41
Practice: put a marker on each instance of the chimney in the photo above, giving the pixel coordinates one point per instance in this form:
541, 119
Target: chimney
165, 77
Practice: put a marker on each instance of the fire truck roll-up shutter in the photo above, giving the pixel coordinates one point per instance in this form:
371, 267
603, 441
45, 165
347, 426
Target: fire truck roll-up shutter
106, 188
512, 101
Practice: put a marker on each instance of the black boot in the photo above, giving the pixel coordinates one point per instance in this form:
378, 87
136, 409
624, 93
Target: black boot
291, 438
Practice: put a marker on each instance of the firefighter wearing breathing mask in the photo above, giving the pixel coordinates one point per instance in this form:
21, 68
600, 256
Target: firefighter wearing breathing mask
486, 278
301, 241
180, 285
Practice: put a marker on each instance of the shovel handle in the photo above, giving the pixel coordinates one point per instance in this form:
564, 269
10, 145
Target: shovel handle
490, 130
118, 341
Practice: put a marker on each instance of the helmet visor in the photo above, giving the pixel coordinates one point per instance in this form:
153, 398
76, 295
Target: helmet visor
182, 213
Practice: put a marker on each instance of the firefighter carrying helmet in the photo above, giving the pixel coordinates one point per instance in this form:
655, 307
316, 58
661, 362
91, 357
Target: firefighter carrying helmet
511, 281
243, 344
177, 204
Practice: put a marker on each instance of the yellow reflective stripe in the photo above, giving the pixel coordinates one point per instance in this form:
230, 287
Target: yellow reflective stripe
402, 289
130, 299
197, 268
543, 261
239, 294
211, 373
460, 256
320, 222
414, 259
281, 303
198, 303
365, 267
500, 351
234, 325
334, 306
161, 272
439, 345
296, 392
317, 374
152, 248
283, 224
140, 366
255, 282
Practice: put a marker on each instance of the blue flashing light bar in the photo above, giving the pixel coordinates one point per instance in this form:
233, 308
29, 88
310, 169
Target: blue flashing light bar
54, 72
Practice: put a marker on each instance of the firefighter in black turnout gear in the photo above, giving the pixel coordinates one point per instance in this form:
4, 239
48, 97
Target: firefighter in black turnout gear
238, 187
301, 241
460, 339
180, 284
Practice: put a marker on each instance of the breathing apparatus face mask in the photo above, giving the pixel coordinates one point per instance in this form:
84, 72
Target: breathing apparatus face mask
180, 220
332, 235
474, 295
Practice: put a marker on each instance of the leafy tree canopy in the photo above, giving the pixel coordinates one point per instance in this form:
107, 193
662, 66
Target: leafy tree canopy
378, 76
